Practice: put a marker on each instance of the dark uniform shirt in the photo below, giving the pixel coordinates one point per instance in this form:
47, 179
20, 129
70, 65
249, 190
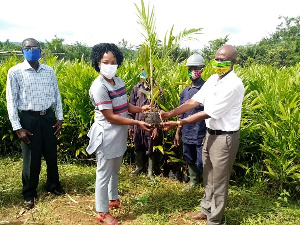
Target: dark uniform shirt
192, 133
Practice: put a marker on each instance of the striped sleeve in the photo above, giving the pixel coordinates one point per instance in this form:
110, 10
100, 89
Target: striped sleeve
101, 97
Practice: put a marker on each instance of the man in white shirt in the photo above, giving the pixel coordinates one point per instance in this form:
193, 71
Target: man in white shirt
32, 94
222, 96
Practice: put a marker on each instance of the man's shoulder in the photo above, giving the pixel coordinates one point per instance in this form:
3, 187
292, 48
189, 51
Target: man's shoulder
17, 67
236, 79
46, 67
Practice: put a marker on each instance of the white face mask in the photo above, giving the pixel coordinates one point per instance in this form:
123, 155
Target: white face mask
109, 71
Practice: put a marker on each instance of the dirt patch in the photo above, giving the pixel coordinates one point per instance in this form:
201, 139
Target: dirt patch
64, 210
77, 209
184, 219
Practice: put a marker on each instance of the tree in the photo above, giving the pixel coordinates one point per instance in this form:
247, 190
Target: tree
280, 49
208, 52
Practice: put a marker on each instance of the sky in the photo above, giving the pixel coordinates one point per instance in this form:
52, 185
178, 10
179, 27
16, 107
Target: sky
94, 21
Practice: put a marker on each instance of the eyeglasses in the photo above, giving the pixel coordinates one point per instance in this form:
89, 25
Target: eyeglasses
31, 48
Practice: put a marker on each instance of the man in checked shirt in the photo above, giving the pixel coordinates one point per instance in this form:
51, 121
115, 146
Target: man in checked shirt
32, 94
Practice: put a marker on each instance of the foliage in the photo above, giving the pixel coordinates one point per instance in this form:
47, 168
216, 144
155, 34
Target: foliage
208, 52
129, 51
270, 131
153, 55
269, 149
9, 46
280, 49
67, 52
8, 143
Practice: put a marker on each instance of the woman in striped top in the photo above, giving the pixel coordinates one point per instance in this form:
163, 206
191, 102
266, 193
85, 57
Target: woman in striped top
108, 134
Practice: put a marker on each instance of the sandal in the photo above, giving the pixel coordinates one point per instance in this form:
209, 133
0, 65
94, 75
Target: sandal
114, 204
102, 216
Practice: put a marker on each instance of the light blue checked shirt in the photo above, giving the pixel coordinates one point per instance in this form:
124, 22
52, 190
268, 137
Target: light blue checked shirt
28, 89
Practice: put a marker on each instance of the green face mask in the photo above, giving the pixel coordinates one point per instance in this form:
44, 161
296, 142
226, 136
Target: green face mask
222, 67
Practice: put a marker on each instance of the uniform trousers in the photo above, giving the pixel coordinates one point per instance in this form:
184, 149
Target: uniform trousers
42, 143
192, 154
107, 179
218, 154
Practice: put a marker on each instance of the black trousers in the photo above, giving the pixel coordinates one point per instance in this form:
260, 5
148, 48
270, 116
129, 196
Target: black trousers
42, 143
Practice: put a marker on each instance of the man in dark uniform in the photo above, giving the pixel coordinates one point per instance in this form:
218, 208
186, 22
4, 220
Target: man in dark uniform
192, 134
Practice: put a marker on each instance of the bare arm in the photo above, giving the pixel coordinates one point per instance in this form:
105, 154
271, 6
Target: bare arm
191, 119
137, 109
185, 107
194, 118
113, 118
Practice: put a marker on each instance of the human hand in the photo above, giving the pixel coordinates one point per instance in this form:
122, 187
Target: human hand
154, 133
164, 115
146, 108
176, 140
131, 132
23, 135
145, 126
58, 126
169, 125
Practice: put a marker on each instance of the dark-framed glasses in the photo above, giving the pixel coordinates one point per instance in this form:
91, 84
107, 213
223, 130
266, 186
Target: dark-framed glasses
31, 48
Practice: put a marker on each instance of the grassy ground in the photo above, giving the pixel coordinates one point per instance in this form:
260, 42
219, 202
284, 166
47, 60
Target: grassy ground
167, 204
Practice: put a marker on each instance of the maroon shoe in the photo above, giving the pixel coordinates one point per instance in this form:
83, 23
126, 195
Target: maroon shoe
101, 218
115, 204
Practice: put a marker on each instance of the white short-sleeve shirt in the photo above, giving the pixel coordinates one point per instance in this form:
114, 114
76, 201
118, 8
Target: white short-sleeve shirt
222, 101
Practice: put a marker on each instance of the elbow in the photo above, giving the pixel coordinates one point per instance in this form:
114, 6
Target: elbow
110, 120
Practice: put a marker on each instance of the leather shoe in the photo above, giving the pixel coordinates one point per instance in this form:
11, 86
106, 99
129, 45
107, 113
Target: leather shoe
29, 204
58, 191
199, 216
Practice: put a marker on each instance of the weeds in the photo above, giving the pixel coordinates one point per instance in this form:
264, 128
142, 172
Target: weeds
167, 203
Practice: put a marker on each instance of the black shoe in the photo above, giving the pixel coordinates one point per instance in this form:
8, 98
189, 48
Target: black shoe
58, 191
29, 204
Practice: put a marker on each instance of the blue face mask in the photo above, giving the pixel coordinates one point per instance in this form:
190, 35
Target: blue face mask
32, 55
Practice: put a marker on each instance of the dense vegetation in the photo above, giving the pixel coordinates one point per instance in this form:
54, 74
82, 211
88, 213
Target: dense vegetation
270, 70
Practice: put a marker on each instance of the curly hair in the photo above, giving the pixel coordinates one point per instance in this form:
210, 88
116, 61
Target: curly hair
100, 49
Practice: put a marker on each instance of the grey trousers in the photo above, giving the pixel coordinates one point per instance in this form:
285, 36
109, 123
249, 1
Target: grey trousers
107, 179
218, 154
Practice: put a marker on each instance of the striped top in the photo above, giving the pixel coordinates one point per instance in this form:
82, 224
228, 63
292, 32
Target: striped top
105, 96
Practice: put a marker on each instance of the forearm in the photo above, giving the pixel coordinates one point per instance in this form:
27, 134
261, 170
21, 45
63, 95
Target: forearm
195, 118
134, 109
187, 106
115, 119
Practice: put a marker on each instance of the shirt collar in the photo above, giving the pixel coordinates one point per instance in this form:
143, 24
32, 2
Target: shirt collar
224, 79
26, 66
198, 84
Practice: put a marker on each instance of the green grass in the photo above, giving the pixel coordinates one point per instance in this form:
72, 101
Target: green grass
167, 204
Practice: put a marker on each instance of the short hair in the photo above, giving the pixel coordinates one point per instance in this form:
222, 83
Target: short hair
31, 40
100, 49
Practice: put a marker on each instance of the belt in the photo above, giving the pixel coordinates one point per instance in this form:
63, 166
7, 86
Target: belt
219, 132
36, 113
